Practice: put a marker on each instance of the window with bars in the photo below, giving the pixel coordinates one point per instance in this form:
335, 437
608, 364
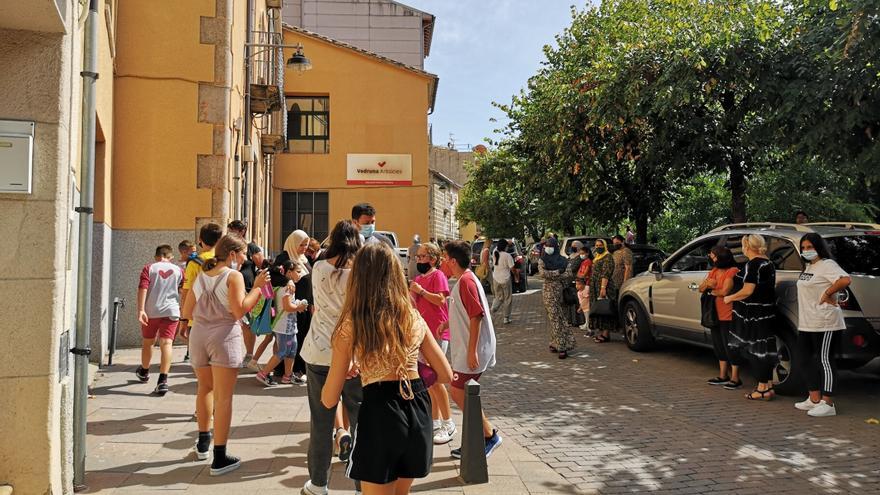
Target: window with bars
307, 211
308, 124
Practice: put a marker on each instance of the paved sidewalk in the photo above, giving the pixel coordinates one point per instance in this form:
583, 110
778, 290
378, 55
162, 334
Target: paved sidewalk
138, 443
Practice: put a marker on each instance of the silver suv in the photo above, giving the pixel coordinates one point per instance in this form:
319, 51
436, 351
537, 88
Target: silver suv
663, 303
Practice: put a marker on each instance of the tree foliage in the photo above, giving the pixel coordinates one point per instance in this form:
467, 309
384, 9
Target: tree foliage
645, 109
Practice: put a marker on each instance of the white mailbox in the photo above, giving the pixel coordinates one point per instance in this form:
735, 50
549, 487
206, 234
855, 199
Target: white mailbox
16, 156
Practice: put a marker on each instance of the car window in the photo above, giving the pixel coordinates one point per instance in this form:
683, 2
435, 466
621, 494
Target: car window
783, 254
857, 254
780, 251
695, 258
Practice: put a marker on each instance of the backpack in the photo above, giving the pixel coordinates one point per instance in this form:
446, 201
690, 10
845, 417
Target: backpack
263, 316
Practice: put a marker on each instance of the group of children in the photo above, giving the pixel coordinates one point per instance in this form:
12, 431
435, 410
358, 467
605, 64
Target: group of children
391, 380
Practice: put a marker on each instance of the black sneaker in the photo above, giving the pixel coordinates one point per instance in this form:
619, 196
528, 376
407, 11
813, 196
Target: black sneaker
142, 374
733, 385
224, 465
717, 381
203, 446
456, 453
161, 389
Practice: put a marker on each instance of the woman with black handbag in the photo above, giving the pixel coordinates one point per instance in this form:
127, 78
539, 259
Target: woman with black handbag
603, 293
717, 315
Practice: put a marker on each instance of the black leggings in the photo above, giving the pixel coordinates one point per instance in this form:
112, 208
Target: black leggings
720, 336
815, 351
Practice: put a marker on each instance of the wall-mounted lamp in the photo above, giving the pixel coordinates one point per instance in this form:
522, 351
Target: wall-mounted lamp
298, 61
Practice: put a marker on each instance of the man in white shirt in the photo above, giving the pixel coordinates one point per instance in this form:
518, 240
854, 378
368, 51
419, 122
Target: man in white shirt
502, 263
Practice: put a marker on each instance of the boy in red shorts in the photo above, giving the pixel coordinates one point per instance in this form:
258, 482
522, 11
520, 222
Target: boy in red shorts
159, 313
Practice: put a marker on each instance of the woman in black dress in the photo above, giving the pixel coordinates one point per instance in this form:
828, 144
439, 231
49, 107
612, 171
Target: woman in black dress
754, 315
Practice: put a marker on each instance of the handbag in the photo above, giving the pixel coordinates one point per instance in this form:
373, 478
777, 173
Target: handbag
709, 312
602, 307
569, 295
427, 374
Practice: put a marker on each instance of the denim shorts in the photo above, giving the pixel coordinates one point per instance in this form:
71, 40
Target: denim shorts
286, 346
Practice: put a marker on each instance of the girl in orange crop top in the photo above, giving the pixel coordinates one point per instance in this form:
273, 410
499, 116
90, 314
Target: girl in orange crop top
379, 337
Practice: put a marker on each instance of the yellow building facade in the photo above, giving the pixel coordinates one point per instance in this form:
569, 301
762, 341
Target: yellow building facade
377, 108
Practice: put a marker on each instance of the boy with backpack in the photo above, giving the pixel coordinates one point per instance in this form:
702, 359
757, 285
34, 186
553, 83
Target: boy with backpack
159, 313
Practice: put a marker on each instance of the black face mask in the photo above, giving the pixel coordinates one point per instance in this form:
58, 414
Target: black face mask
423, 268
614, 247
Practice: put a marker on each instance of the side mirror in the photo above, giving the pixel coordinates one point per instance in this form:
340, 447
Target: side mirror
656, 268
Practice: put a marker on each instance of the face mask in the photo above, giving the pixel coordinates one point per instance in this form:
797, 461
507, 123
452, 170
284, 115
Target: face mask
583, 256
810, 255
615, 247
367, 230
711, 262
233, 265
600, 250
549, 250
423, 267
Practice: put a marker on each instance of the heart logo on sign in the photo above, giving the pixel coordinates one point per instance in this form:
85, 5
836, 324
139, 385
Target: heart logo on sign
166, 273
381, 164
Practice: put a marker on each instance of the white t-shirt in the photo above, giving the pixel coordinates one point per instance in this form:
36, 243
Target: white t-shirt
328, 290
205, 282
501, 271
816, 279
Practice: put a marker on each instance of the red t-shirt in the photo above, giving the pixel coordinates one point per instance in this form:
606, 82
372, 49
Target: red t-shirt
725, 311
435, 283
470, 295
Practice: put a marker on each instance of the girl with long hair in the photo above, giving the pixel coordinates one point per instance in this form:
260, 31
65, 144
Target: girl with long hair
216, 304
380, 335
719, 283
329, 288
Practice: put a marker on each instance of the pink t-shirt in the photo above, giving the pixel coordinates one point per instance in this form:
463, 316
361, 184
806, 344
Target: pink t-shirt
435, 283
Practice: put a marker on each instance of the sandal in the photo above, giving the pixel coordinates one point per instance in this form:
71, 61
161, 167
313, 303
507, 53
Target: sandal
765, 395
601, 339
553, 350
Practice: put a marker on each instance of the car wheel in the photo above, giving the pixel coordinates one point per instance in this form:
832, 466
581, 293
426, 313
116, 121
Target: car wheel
636, 330
788, 379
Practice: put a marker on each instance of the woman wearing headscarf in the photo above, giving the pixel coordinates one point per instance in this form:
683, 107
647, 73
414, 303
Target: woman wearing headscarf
602, 287
295, 247
553, 268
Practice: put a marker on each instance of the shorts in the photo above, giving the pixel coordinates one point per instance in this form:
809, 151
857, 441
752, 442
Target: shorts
286, 346
394, 436
459, 380
216, 345
165, 328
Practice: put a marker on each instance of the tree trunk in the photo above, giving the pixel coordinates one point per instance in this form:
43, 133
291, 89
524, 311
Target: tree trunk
738, 191
641, 226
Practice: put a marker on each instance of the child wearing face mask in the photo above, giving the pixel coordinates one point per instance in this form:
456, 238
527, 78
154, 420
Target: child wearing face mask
285, 326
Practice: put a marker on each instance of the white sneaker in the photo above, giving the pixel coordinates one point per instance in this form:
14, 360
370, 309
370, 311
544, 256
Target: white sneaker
805, 405
584, 326
444, 435
310, 489
254, 366
823, 409
299, 377
450, 426
437, 425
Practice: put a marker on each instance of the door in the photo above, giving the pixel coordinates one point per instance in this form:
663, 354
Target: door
676, 299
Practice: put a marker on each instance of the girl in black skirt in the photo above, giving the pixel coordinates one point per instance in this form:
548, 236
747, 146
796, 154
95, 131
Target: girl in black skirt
754, 315
380, 335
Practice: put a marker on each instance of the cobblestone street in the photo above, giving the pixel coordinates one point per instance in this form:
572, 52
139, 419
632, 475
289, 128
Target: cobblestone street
607, 420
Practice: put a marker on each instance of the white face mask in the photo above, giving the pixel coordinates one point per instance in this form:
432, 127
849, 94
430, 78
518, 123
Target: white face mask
583, 256
233, 264
549, 250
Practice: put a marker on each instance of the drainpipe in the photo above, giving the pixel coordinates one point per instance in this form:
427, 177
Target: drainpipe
84, 265
248, 118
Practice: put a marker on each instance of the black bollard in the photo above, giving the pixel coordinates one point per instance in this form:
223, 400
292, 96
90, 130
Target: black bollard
473, 444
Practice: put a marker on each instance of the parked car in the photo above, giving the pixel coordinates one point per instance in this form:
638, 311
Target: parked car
586, 240
664, 302
403, 252
644, 255
519, 262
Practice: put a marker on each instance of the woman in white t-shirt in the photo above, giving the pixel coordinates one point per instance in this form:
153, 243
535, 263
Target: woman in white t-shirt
329, 288
502, 290
820, 321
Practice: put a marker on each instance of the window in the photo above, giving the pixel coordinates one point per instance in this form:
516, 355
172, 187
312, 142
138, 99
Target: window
857, 254
308, 124
696, 258
779, 250
306, 211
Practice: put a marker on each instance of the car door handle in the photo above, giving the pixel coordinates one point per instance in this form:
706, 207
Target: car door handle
693, 286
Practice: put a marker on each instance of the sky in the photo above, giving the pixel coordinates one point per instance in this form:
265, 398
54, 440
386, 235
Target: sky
485, 51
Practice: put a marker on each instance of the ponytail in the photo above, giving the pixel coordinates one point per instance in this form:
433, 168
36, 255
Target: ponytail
210, 264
